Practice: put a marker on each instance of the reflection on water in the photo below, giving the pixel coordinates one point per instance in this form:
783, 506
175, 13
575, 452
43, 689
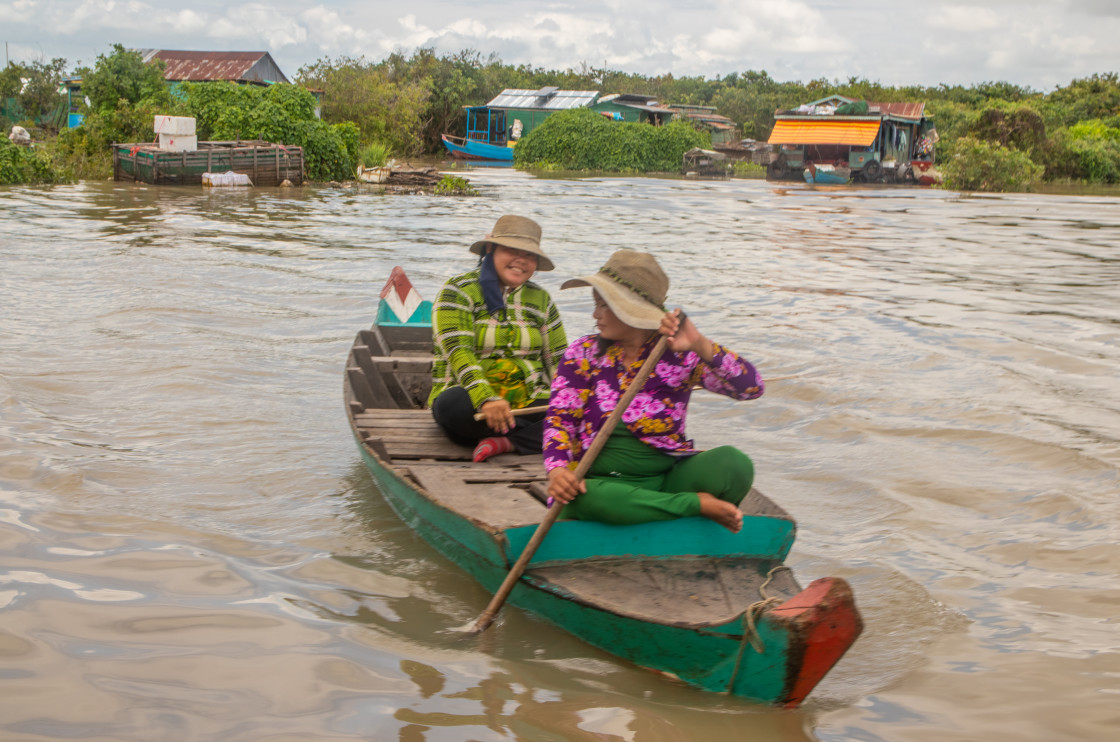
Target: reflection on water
193, 550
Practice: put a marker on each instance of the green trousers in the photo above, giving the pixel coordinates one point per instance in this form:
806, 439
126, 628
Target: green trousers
631, 482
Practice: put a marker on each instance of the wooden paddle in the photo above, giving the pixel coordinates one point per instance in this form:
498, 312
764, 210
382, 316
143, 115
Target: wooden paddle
516, 412
483, 621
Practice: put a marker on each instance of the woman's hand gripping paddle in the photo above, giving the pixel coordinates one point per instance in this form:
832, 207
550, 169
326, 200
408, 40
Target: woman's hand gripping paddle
487, 617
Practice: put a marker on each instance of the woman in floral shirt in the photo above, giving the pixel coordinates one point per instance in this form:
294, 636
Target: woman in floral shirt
648, 470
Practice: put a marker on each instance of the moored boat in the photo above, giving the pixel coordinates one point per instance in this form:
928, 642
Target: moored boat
475, 149
718, 610
824, 174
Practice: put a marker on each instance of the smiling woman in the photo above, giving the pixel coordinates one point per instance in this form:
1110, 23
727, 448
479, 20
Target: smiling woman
498, 339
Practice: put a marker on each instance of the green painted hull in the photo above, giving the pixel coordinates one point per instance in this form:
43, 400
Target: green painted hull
714, 658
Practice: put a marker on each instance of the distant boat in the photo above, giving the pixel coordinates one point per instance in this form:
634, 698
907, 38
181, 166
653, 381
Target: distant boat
475, 149
826, 174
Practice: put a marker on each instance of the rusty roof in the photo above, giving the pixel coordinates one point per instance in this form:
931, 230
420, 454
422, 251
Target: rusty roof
901, 110
194, 66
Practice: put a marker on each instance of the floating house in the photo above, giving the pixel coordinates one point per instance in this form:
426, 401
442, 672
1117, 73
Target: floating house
722, 129
874, 141
494, 128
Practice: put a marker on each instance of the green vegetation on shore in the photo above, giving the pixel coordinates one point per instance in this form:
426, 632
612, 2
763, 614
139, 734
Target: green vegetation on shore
994, 135
581, 139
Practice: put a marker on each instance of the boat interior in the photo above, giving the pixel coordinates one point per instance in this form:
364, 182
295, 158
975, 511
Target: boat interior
388, 376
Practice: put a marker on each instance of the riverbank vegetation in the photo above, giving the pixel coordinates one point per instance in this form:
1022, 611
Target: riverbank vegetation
993, 135
581, 139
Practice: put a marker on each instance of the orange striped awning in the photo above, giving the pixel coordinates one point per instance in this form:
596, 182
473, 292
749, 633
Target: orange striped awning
851, 133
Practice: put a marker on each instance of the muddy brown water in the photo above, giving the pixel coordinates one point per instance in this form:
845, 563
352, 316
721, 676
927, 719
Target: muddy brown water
190, 548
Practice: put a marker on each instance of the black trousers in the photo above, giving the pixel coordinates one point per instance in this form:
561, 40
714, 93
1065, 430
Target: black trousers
454, 413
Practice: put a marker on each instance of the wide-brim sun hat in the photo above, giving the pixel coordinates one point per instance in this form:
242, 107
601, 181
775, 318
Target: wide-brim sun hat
633, 286
518, 232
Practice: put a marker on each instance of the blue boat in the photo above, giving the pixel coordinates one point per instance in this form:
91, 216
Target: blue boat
475, 149
826, 174
686, 597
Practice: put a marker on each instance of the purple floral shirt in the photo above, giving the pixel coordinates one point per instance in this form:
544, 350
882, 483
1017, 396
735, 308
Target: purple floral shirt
587, 387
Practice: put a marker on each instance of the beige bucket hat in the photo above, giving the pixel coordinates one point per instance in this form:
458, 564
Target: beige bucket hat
633, 286
518, 232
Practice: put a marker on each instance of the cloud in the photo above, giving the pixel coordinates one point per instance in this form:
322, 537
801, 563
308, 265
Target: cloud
966, 18
1034, 42
326, 29
276, 29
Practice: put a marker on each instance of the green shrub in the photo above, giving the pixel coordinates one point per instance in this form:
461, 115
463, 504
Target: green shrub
86, 149
123, 76
983, 166
280, 113
451, 185
744, 169
1095, 147
581, 139
375, 154
20, 165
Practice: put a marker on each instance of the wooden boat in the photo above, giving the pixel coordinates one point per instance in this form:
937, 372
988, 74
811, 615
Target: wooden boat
474, 149
823, 174
687, 597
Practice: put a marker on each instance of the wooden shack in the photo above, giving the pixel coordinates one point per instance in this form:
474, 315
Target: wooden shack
265, 163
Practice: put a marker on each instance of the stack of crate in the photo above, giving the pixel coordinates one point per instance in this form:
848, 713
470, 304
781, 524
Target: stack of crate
176, 133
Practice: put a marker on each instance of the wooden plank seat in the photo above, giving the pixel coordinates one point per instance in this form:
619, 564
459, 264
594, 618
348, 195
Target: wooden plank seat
407, 434
495, 494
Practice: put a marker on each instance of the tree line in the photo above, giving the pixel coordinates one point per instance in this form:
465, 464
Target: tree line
993, 135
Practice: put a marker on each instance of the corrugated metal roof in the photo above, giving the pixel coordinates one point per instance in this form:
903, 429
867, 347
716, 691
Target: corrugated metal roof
637, 102
193, 66
901, 110
817, 131
546, 99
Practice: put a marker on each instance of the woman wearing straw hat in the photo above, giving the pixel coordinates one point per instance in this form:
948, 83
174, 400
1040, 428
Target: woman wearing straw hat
648, 470
498, 339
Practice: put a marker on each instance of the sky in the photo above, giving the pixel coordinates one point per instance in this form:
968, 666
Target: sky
1040, 44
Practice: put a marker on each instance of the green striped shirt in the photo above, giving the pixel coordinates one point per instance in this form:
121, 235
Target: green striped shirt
510, 355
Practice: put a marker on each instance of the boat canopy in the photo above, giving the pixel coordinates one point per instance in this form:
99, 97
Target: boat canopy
850, 133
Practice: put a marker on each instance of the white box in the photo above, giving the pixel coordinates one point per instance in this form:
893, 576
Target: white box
229, 178
174, 125
178, 142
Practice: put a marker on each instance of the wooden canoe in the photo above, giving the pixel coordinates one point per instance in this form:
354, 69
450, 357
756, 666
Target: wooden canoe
687, 597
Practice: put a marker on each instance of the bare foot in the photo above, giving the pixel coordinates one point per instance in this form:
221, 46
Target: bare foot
727, 515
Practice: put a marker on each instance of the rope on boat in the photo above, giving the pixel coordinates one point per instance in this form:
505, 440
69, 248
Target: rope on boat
750, 633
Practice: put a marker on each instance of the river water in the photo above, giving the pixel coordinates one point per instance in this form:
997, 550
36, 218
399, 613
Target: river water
191, 549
